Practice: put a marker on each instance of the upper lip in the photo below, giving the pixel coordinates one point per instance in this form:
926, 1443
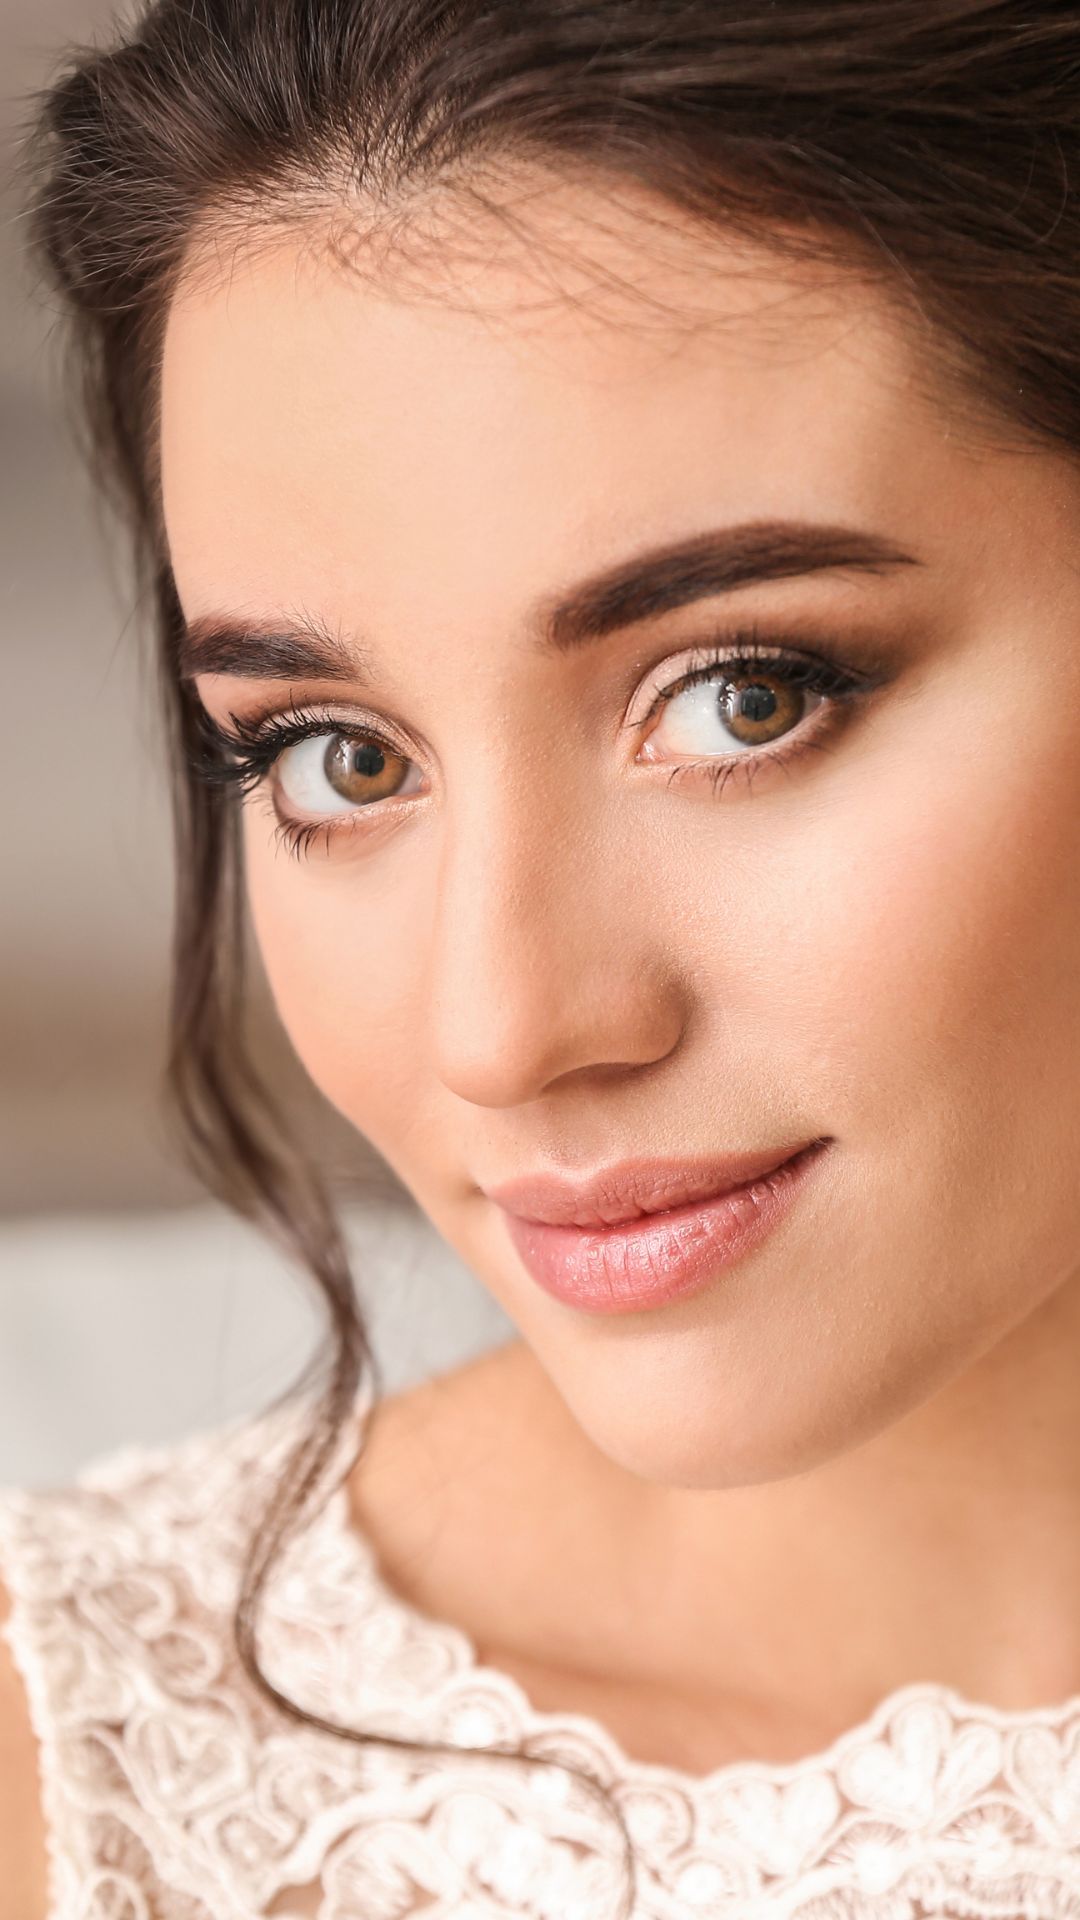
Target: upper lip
631, 1188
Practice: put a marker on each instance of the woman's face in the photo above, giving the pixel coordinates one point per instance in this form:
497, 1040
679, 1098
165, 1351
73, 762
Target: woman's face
560, 924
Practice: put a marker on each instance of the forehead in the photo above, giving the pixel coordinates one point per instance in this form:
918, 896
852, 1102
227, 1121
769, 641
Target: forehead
498, 409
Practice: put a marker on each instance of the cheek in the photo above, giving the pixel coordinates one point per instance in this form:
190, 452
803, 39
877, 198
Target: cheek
960, 944
941, 995
343, 952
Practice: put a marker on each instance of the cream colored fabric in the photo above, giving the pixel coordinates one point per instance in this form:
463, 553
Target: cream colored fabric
176, 1791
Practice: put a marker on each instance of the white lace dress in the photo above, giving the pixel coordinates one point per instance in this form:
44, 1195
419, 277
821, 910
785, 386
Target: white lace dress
173, 1790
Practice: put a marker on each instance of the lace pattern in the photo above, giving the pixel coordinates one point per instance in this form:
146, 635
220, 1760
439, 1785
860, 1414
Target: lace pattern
173, 1790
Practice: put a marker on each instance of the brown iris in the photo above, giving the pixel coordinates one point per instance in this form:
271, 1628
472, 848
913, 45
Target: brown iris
757, 707
360, 769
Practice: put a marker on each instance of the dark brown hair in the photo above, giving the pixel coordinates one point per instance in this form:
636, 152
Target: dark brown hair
932, 142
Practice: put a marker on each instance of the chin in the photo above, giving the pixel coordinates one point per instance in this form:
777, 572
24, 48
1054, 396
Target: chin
676, 1418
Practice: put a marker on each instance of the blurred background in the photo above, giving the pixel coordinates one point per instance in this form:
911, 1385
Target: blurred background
131, 1307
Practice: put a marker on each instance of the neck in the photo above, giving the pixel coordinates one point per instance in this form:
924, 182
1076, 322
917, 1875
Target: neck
947, 1548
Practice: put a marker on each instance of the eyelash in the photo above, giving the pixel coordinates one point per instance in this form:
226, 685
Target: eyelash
244, 757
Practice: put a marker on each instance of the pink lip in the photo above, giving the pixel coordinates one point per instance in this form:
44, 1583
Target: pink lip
649, 1258
632, 1187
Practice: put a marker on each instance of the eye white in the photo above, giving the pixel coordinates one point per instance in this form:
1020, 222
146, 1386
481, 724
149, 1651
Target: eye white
301, 777
694, 722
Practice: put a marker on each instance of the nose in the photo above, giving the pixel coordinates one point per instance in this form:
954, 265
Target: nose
545, 958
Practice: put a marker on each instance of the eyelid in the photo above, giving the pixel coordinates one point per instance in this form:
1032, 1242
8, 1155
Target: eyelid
755, 645
748, 635
246, 755
334, 714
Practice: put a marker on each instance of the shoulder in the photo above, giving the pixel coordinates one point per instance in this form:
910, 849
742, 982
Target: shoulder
23, 1888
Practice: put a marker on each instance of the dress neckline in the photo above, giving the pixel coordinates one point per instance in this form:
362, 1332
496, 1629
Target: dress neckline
954, 1711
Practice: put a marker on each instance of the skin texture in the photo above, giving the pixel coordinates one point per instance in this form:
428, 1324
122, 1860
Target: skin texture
852, 1461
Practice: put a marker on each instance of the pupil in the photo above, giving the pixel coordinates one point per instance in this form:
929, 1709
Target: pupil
756, 703
368, 759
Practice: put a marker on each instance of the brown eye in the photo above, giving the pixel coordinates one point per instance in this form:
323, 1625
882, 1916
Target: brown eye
759, 709
362, 770
731, 710
334, 772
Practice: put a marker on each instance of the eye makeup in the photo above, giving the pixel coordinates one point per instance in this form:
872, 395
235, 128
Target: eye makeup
250, 753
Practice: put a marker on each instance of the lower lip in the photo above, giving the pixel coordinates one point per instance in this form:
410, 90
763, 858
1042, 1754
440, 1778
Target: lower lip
659, 1257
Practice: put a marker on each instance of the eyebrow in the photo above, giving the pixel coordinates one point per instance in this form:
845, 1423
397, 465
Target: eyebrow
643, 587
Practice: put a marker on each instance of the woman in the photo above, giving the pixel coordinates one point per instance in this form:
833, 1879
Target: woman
606, 478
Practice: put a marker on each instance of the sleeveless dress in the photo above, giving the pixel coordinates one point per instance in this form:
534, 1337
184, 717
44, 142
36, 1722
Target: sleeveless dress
173, 1789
